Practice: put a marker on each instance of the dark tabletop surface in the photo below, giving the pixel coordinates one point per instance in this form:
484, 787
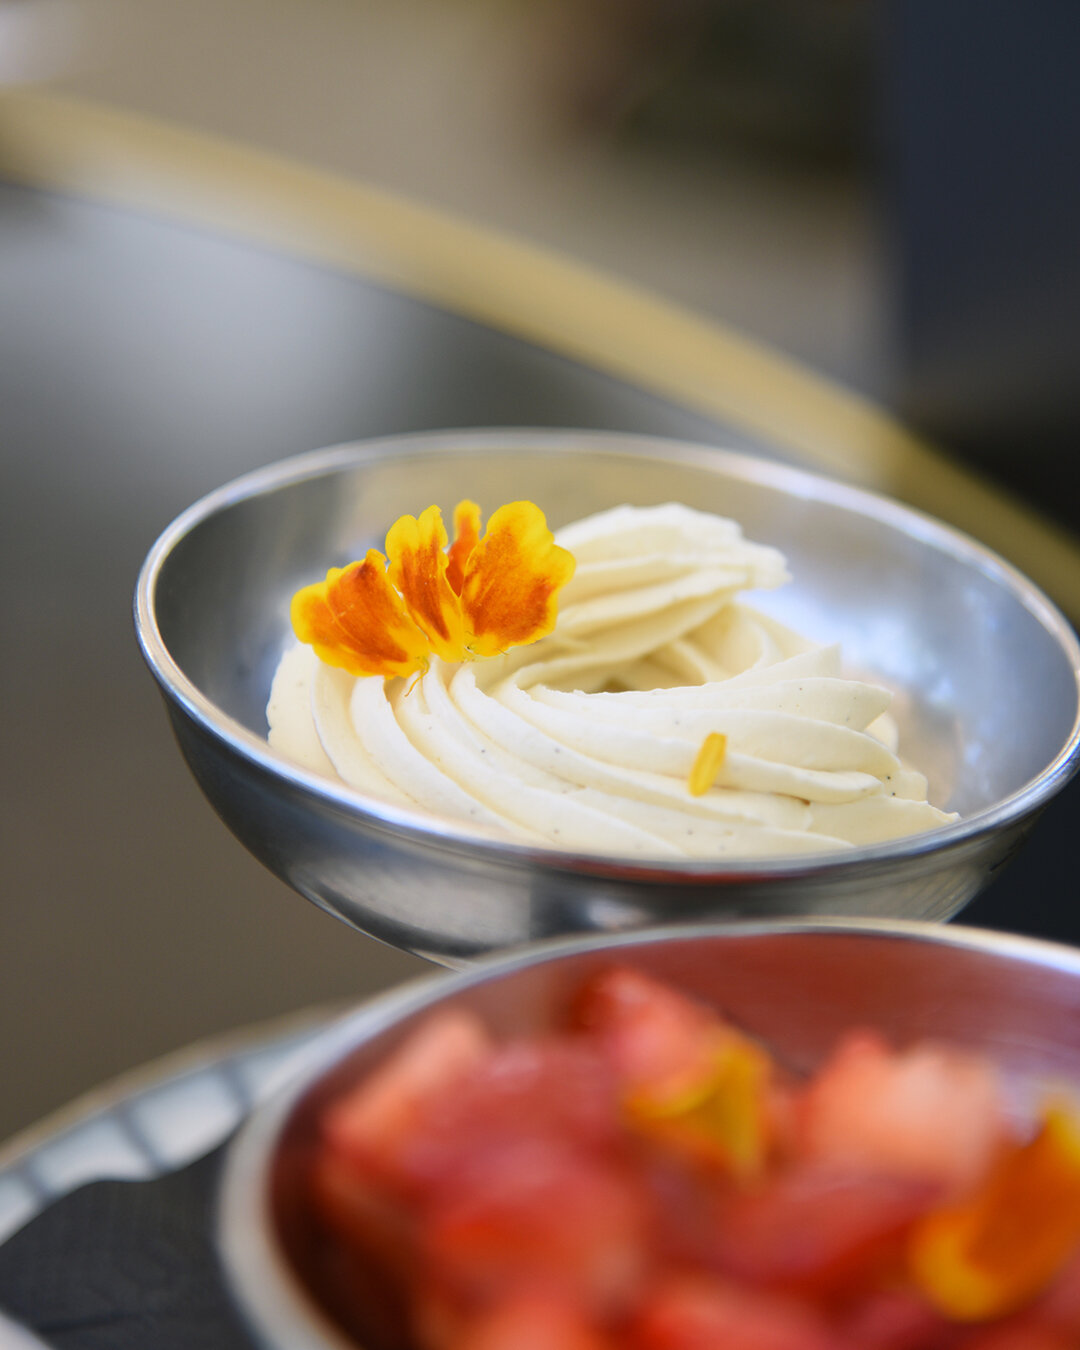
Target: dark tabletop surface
122, 1265
142, 364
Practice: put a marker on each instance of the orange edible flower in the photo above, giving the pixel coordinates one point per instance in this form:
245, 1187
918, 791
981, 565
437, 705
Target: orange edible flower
720, 1116
995, 1251
707, 765
482, 596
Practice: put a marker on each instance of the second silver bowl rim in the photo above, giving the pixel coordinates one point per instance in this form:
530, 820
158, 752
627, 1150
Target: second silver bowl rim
383, 1010
567, 441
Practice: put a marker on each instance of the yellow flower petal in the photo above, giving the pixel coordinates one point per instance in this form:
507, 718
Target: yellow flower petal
995, 1251
708, 762
356, 621
511, 581
418, 565
466, 537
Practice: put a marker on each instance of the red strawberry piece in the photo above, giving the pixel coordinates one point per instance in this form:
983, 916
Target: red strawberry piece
655, 1036
557, 1088
897, 1319
369, 1124
818, 1228
540, 1214
928, 1112
698, 1314
532, 1320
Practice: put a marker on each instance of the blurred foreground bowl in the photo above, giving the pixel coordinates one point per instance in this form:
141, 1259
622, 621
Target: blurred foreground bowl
795, 986
985, 670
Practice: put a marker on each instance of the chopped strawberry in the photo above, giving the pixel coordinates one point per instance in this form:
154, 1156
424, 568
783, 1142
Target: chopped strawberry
928, 1112
683, 1208
818, 1227
656, 1037
896, 1319
541, 1212
368, 1124
1059, 1306
531, 1321
782, 1109
552, 1088
364, 1214
1020, 1335
366, 1241
439, 1316
694, 1313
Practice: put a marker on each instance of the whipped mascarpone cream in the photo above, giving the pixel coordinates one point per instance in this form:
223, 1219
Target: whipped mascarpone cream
584, 741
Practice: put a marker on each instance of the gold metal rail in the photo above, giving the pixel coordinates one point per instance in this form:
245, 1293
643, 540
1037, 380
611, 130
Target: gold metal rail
110, 155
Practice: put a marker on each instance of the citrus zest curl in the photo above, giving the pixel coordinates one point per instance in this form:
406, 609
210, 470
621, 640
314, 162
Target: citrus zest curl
997, 1249
707, 765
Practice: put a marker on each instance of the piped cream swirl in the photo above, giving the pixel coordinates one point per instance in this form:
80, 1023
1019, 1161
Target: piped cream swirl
585, 740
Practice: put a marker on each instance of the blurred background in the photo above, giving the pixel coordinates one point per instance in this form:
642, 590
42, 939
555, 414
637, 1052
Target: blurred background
881, 191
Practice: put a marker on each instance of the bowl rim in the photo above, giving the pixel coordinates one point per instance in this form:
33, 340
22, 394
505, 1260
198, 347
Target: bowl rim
416, 828
263, 1280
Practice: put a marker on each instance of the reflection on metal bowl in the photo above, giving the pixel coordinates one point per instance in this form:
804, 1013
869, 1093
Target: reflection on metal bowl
985, 672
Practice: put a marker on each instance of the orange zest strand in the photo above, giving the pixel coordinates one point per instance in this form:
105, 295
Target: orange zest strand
707, 765
721, 1116
475, 599
995, 1251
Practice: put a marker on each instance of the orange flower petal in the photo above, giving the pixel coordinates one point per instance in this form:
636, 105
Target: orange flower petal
512, 579
466, 536
356, 621
418, 566
997, 1250
708, 762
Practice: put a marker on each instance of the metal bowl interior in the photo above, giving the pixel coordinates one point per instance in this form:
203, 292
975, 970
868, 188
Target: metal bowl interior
985, 674
798, 987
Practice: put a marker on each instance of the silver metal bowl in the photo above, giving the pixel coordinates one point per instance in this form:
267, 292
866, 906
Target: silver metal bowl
985, 669
797, 986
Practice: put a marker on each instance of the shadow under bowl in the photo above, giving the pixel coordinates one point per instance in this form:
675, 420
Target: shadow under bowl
985, 672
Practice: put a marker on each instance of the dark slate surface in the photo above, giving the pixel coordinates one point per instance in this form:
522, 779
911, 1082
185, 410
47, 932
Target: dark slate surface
125, 1265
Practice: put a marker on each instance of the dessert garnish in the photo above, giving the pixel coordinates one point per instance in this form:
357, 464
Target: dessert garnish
707, 765
662, 716
1000, 1245
388, 614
